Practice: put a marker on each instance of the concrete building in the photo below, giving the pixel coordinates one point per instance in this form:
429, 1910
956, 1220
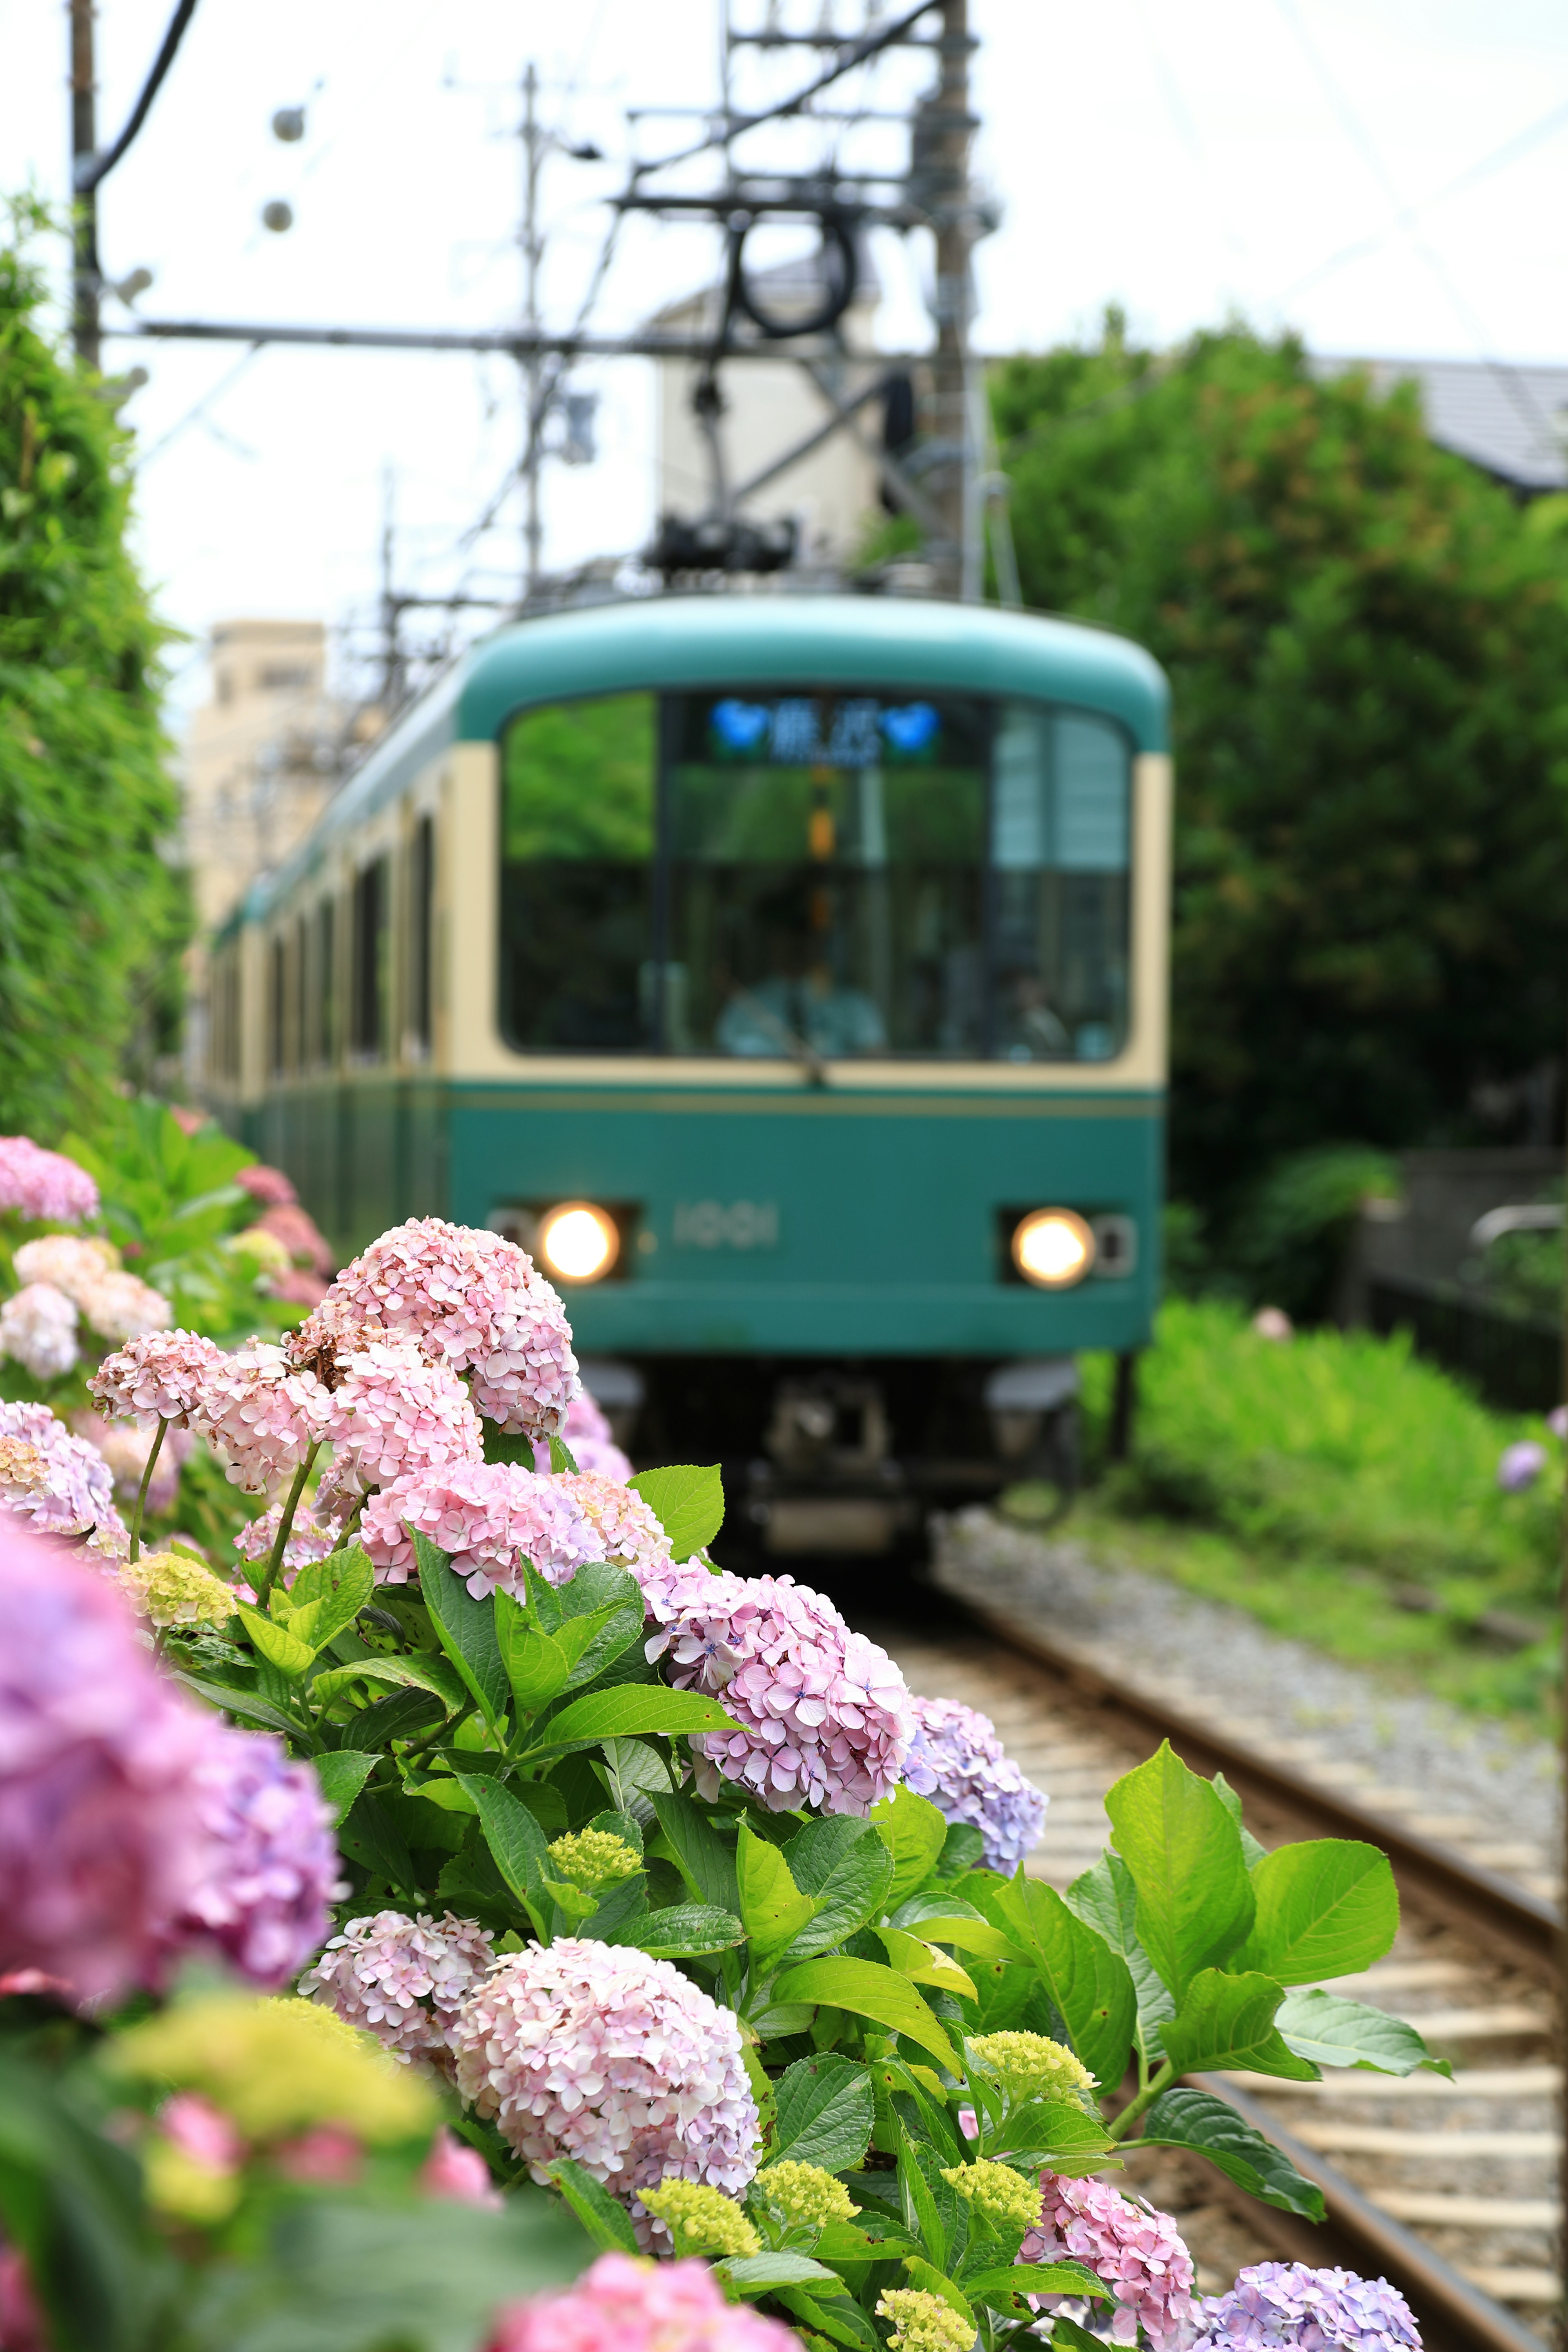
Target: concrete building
262, 758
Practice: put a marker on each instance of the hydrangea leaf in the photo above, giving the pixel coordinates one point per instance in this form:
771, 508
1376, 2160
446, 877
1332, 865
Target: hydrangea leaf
1035, 2278
346, 1582
465, 1627
561, 1457
1106, 1900
1334, 2032
1252, 1853
703, 1858
536, 1663
834, 2317
1327, 1907
772, 1906
1178, 1840
922, 1964
1088, 1983
423, 1673
630, 1711
1185, 2117
869, 1990
758, 2273
343, 1773
603, 2217
276, 1643
516, 1842
1051, 2135
854, 1891
686, 1929
914, 1833
938, 1924
825, 2109
931, 2281
687, 1500
368, 1835
73, 2208
246, 1704
1228, 2021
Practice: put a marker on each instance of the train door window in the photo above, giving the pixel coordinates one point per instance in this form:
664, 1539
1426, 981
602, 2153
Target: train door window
369, 959
323, 1008
1060, 826
421, 906
277, 1004
299, 956
577, 876
826, 855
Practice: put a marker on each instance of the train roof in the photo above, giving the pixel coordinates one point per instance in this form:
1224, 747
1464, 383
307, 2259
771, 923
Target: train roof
706, 640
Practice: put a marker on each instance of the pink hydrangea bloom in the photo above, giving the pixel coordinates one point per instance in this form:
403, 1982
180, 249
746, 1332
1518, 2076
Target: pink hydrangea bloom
101, 1837
627, 1531
394, 1414
44, 1185
201, 2132
598, 2052
38, 1327
157, 1376
1136, 2251
587, 1435
70, 1262
826, 1715
262, 1414
487, 1517
78, 1492
402, 1979
300, 1236
457, 2171
621, 2304
121, 1306
308, 1540
271, 1867
269, 1185
469, 1299
957, 1761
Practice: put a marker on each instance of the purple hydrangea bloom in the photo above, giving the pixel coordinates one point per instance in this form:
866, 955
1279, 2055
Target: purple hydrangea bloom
271, 1867
1520, 1465
957, 1761
78, 1488
1290, 2307
101, 1836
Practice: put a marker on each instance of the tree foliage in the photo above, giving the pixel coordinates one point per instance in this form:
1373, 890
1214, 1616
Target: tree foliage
93, 914
1368, 647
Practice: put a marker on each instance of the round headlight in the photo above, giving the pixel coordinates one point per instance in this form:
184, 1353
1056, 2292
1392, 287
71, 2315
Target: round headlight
1053, 1248
578, 1243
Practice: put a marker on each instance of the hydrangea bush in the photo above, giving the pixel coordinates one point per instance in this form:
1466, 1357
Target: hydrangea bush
628, 1905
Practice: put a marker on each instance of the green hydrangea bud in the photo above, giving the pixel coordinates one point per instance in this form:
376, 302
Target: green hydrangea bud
923, 2322
594, 1858
1031, 2066
1007, 2198
803, 2193
168, 1588
701, 2220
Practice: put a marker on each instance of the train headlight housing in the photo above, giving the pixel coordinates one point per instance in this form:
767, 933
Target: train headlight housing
1053, 1248
578, 1243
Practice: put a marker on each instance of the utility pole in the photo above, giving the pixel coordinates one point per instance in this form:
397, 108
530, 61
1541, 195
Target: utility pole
85, 288
943, 131
393, 667
533, 251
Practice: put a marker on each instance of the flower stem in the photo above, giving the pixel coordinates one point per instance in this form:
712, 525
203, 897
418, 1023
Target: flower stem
285, 1523
1122, 2124
141, 1490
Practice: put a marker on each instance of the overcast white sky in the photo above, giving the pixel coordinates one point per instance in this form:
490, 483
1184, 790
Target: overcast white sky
1247, 157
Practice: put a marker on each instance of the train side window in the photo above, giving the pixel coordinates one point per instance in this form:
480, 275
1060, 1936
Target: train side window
577, 832
369, 956
299, 1040
324, 996
1061, 834
277, 1004
421, 906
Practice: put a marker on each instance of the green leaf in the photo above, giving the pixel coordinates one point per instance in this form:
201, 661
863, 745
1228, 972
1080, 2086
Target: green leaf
1228, 2021
869, 1990
914, 1833
688, 1927
245, 1704
343, 1773
976, 1937
513, 1836
854, 1890
603, 2217
634, 1710
346, 1581
1106, 1900
1088, 1981
1052, 2135
70, 2201
825, 2112
755, 2274
536, 1665
687, 1501
436, 1674
1334, 2032
1036, 2278
1328, 1907
834, 2317
368, 1835
703, 1857
1178, 1840
560, 1457
1252, 1853
276, 1643
465, 1627
1184, 2117
916, 1960
933, 2281
771, 1903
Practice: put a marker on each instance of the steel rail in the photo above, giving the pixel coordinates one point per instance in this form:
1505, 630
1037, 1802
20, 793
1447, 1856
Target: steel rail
1431, 1875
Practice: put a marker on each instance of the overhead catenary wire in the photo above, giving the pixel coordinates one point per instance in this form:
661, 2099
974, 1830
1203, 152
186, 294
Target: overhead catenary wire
90, 169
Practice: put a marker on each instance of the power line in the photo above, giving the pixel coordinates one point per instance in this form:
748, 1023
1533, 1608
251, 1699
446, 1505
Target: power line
89, 170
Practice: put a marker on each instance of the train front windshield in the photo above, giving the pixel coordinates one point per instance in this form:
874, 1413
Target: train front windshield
793, 873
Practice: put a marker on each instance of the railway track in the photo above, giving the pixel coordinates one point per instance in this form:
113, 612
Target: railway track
1449, 2190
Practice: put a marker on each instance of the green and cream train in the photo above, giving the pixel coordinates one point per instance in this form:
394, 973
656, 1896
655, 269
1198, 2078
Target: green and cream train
789, 973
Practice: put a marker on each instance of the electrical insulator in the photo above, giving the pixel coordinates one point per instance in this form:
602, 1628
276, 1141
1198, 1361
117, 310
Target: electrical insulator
278, 215
288, 124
